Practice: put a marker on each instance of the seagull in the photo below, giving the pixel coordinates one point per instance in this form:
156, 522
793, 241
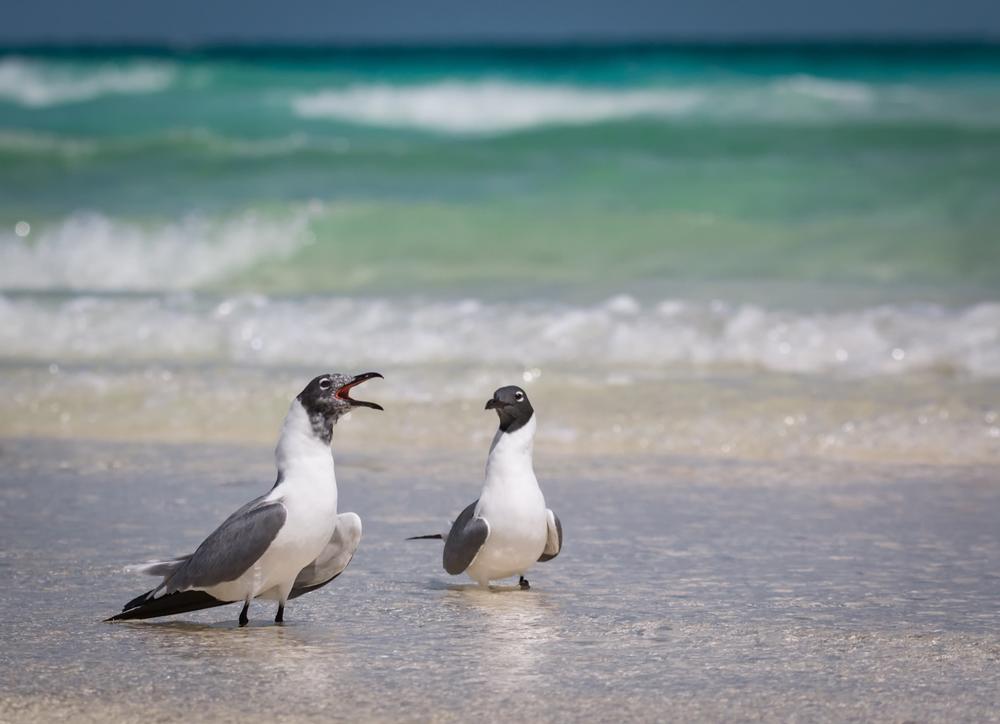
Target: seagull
508, 529
287, 542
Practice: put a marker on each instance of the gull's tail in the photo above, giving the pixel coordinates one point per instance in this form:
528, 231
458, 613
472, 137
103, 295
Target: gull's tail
158, 568
433, 536
145, 606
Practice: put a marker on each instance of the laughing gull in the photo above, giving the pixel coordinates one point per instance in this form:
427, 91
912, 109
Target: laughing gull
285, 543
508, 528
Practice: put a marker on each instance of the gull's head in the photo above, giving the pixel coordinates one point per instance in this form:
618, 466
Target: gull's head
327, 397
513, 407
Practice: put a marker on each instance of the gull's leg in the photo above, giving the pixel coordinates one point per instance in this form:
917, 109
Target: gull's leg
244, 619
523, 583
283, 592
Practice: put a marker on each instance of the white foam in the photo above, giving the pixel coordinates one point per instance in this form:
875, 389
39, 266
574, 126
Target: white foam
500, 105
488, 105
29, 142
38, 84
630, 339
826, 89
92, 251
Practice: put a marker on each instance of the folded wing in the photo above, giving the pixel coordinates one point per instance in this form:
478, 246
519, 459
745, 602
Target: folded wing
334, 558
465, 539
554, 539
229, 552
231, 549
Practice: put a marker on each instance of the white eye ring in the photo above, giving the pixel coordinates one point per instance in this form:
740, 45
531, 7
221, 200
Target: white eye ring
324, 384
518, 396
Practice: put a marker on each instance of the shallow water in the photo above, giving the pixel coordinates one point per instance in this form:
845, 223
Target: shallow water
732, 413
689, 587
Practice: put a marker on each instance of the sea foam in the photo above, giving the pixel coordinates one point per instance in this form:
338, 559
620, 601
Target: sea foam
38, 84
95, 252
501, 105
488, 105
619, 335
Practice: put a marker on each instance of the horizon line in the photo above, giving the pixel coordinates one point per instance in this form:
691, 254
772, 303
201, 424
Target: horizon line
844, 41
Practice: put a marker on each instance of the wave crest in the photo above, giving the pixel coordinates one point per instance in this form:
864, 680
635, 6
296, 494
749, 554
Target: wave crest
619, 335
836, 91
494, 105
487, 106
92, 251
36, 84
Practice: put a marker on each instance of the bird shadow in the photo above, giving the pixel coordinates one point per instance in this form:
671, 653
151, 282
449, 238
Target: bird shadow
222, 637
197, 627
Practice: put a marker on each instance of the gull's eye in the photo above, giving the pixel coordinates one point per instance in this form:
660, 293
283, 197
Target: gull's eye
519, 396
324, 384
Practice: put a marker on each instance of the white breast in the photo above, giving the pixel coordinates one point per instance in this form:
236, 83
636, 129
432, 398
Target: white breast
513, 505
308, 492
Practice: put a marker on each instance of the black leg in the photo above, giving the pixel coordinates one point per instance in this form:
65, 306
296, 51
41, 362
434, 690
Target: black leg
244, 619
523, 583
280, 617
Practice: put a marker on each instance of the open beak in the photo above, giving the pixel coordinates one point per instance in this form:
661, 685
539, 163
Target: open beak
494, 404
344, 392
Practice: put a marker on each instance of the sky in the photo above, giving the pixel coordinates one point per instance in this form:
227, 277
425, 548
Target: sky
457, 21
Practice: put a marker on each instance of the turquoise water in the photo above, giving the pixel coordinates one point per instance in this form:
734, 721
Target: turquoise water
621, 216
454, 170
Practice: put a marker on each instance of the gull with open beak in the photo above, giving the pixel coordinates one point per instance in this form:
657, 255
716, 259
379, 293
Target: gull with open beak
283, 544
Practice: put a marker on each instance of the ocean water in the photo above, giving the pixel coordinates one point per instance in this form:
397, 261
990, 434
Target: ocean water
753, 293
702, 242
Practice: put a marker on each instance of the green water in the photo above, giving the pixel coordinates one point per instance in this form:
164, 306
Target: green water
464, 170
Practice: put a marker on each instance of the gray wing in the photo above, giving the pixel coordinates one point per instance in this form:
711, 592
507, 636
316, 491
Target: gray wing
334, 558
465, 538
553, 542
231, 549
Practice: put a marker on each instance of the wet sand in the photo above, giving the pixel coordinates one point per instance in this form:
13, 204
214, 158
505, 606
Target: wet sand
689, 588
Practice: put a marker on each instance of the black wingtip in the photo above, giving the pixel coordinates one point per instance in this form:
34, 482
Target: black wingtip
138, 601
435, 536
180, 602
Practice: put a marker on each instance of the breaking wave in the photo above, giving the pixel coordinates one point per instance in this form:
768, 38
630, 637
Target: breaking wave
487, 106
499, 105
94, 252
37, 84
619, 333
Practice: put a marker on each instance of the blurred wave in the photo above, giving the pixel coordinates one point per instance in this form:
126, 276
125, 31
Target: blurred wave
489, 105
32, 145
614, 335
501, 105
94, 251
454, 97
41, 84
